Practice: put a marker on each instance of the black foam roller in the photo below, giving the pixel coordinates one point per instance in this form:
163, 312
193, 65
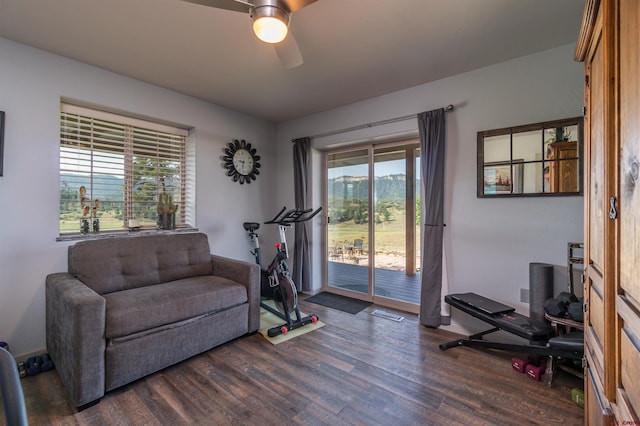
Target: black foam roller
540, 288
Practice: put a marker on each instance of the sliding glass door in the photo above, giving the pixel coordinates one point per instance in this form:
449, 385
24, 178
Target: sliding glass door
372, 233
347, 189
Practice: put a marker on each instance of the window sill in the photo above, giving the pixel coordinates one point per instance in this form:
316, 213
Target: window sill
122, 234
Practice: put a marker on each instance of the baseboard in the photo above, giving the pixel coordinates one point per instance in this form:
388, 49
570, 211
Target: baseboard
24, 357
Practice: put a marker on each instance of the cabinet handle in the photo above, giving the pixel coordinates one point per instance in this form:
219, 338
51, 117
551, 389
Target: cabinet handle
613, 213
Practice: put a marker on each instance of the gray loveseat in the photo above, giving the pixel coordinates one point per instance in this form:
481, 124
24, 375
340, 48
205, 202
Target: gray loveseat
134, 305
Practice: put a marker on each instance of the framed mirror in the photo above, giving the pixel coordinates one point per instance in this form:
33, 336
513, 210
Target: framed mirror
541, 159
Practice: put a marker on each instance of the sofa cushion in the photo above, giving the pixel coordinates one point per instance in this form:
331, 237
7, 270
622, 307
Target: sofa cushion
118, 264
140, 309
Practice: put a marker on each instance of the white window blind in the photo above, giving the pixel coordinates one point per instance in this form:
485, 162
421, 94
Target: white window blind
113, 168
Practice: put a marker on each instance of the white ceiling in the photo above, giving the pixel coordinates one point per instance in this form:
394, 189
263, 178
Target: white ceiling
352, 49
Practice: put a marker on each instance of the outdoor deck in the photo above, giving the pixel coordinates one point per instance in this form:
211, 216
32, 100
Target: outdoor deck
388, 283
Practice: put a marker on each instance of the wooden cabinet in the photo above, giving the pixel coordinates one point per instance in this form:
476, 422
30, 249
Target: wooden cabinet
628, 289
564, 172
608, 45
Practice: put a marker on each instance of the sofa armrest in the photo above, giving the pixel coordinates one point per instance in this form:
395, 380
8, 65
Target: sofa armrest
244, 273
75, 316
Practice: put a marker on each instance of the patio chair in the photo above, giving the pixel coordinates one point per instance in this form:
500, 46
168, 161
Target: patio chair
336, 253
358, 245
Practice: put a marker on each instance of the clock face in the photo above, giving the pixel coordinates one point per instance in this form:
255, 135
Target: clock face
241, 161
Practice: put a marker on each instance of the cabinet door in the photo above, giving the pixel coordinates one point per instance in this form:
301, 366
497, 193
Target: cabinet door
595, 206
601, 228
628, 300
563, 173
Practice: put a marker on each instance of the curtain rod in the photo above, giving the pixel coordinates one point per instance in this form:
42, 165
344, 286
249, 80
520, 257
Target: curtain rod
369, 125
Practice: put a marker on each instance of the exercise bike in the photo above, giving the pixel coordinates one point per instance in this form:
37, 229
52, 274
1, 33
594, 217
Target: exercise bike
276, 282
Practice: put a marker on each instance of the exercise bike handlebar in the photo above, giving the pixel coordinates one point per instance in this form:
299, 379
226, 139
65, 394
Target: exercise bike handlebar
293, 216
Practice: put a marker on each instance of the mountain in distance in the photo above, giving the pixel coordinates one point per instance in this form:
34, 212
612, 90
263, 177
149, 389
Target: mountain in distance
388, 188
105, 186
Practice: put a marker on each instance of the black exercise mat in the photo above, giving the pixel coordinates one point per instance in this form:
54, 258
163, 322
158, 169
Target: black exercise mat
336, 301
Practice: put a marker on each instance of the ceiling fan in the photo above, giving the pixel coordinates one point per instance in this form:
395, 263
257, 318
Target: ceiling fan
270, 23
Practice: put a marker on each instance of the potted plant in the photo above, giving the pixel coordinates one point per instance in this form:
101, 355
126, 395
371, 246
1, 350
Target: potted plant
166, 211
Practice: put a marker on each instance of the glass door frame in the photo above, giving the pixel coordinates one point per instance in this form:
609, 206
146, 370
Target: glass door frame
412, 145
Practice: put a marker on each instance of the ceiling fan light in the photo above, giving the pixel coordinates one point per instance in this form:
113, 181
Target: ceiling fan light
270, 23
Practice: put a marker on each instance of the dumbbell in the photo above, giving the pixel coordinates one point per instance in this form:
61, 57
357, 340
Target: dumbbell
566, 298
554, 307
534, 372
34, 365
576, 311
47, 364
534, 367
518, 364
558, 306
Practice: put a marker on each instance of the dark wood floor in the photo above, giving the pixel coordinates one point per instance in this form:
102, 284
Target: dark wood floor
358, 369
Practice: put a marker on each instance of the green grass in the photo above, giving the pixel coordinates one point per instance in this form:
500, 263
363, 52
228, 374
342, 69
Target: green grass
70, 222
389, 236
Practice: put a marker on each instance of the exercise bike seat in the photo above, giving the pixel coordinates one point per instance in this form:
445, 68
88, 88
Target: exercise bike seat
251, 226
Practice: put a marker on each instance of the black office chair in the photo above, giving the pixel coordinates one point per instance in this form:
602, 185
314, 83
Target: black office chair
15, 411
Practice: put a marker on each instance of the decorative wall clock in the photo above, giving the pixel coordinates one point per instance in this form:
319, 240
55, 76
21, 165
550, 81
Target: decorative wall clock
241, 161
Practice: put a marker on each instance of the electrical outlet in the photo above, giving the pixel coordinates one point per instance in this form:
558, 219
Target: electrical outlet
524, 295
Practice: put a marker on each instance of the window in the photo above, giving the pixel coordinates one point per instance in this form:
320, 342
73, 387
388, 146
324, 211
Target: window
113, 168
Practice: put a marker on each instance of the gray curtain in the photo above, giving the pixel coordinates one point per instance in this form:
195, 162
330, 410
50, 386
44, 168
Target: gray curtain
431, 126
301, 270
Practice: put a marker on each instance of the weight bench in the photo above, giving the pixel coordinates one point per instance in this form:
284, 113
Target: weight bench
503, 317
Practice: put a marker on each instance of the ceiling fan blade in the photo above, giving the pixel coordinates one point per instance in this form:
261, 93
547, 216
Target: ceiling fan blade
288, 52
294, 5
234, 5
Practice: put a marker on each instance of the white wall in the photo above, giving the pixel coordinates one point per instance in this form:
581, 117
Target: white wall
489, 242
32, 84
